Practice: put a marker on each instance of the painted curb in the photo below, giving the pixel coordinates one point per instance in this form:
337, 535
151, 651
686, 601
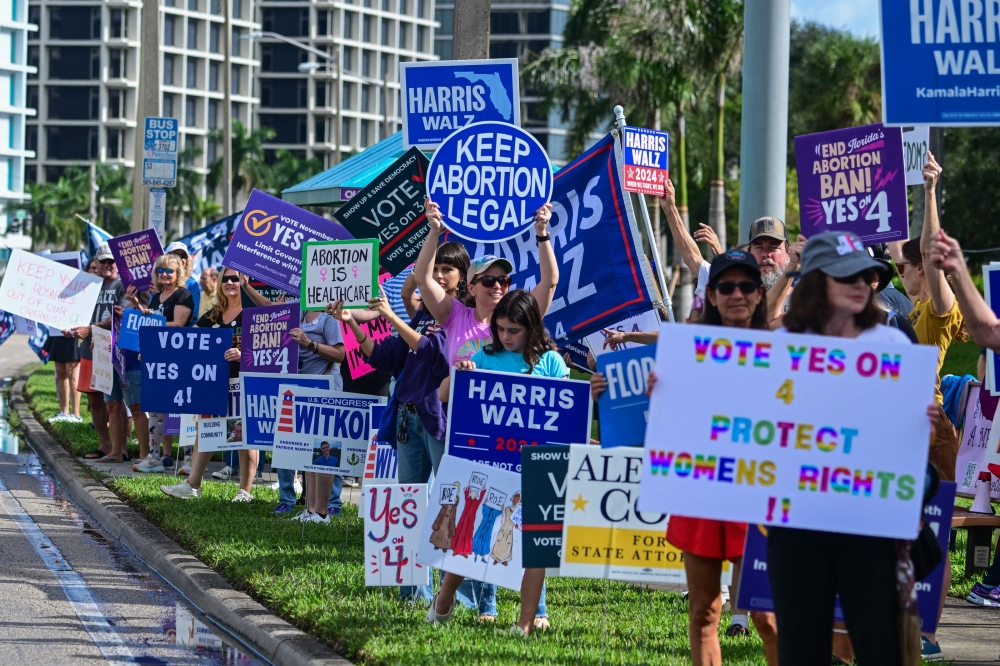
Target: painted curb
272, 637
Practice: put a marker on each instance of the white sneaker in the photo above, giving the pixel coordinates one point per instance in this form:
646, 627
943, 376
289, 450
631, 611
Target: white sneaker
297, 486
304, 517
185, 470
149, 464
59, 418
275, 486
182, 490
73, 419
224, 474
243, 496
316, 518
350, 482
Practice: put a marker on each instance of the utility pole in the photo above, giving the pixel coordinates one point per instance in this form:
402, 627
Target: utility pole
764, 141
148, 104
717, 186
471, 38
93, 192
227, 112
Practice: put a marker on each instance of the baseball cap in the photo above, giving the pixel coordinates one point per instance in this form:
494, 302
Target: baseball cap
880, 251
482, 263
839, 254
177, 245
768, 227
104, 252
727, 260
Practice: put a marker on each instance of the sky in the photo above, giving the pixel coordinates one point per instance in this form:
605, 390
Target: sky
859, 17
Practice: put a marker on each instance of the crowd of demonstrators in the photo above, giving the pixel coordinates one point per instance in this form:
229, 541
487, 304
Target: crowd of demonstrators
180, 250
65, 353
208, 281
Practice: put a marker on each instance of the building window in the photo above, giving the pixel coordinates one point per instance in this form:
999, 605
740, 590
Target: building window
32, 97
35, 15
216, 7
385, 6
442, 49
119, 24
210, 154
322, 23
74, 23
504, 23
404, 36
386, 69
366, 126
214, 32
237, 33
345, 97
168, 106
192, 36
190, 112
74, 62
539, 23
446, 17
421, 44
366, 63
349, 59
192, 5
72, 143
213, 76
169, 25
422, 8
321, 130
31, 139
365, 95
348, 25
213, 116
345, 131
117, 61
168, 69
321, 96
235, 78
193, 64
33, 60
116, 144
366, 29
116, 103
503, 49
237, 9
385, 32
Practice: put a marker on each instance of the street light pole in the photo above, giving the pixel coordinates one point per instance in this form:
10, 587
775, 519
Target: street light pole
227, 111
148, 102
471, 37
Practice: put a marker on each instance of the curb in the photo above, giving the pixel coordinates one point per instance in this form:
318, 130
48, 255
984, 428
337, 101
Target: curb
273, 638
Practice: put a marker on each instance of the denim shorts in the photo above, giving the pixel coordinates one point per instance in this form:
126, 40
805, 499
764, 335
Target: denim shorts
131, 394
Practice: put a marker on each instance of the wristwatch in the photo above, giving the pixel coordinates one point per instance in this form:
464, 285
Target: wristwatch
542, 239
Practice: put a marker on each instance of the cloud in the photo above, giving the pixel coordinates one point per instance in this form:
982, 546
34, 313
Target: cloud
859, 17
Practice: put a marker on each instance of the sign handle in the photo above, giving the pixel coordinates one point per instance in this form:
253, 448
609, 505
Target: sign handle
664, 294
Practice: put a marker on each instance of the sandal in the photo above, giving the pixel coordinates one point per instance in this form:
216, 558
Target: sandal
95, 454
109, 459
542, 624
433, 617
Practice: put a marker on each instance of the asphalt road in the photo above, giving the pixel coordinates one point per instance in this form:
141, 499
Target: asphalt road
70, 593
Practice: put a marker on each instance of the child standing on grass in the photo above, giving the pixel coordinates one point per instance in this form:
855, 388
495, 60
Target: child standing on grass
519, 345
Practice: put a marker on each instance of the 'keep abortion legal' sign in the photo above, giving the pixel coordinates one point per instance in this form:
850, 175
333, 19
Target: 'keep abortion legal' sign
489, 179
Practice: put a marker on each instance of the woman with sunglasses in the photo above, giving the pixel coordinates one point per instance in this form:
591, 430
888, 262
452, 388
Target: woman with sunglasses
834, 297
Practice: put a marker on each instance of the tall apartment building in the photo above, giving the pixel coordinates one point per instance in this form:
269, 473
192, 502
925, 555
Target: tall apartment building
317, 110
518, 29
87, 58
14, 68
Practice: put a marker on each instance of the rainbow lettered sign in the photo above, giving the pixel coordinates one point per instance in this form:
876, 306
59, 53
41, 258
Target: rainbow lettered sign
793, 430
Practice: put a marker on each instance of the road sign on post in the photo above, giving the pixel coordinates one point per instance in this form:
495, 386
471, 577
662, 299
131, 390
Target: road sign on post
159, 152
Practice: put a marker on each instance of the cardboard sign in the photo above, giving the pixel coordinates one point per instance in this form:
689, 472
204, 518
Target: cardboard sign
974, 439
853, 180
605, 532
322, 431
442, 96
135, 254
183, 370
543, 481
391, 209
489, 179
916, 141
803, 449
624, 407
492, 415
468, 536
267, 243
377, 329
647, 160
393, 522
48, 292
102, 377
645, 322
267, 345
339, 271
218, 433
261, 403
188, 434
132, 321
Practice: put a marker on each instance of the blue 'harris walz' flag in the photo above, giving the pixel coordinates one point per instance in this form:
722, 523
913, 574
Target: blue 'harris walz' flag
603, 275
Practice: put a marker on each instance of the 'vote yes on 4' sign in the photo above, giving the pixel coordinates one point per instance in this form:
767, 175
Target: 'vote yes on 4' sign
647, 160
183, 370
489, 179
492, 415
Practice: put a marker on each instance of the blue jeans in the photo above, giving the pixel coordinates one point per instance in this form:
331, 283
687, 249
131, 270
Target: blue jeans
286, 488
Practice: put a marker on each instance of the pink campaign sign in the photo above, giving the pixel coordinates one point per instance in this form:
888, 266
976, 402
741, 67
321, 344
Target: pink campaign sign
376, 329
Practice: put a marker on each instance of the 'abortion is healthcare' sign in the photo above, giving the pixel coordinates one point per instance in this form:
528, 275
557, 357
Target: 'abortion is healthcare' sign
489, 179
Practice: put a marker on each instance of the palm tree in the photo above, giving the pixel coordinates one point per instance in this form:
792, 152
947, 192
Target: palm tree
249, 169
289, 170
205, 209
183, 198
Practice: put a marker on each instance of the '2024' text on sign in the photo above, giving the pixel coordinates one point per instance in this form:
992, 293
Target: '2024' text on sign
794, 432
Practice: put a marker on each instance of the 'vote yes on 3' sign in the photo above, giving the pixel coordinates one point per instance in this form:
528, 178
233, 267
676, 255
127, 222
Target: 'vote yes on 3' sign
183, 370
489, 179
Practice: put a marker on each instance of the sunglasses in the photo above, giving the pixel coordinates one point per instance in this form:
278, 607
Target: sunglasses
106, 262
868, 275
161, 271
490, 281
231, 278
747, 287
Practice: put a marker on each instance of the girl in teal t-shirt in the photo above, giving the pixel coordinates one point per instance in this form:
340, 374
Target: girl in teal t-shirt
519, 345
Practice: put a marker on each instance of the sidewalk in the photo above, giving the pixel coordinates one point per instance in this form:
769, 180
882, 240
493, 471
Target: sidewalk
969, 635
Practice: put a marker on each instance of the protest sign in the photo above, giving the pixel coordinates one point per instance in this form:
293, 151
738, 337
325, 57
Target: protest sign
117, 353
577, 353
443, 96
132, 321
543, 480
377, 329
596, 242
391, 209
472, 528
339, 271
224, 433
322, 431
135, 254
71, 259
853, 180
208, 245
916, 141
624, 407
935, 69
800, 450
645, 322
492, 415
991, 292
393, 522
381, 465
647, 160
183, 370
267, 243
102, 376
188, 434
172, 424
489, 179
261, 403
48, 292
974, 437
605, 532
267, 345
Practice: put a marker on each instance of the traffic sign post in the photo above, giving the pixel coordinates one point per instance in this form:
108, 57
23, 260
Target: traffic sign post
159, 154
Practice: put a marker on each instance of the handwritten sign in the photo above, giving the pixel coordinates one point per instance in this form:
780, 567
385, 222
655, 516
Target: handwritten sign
135, 254
339, 271
267, 344
974, 439
183, 370
102, 378
916, 141
393, 522
624, 407
132, 321
647, 160
378, 330
802, 449
48, 292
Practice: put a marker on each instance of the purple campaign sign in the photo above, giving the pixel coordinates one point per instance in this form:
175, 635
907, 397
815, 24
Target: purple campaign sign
267, 243
135, 254
853, 180
267, 346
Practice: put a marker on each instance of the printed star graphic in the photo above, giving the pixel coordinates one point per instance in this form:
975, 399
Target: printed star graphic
472, 441
630, 172
579, 504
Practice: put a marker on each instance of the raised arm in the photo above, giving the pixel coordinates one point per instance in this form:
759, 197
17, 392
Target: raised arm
942, 298
259, 299
546, 287
980, 321
408, 292
690, 253
779, 292
435, 298
409, 336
